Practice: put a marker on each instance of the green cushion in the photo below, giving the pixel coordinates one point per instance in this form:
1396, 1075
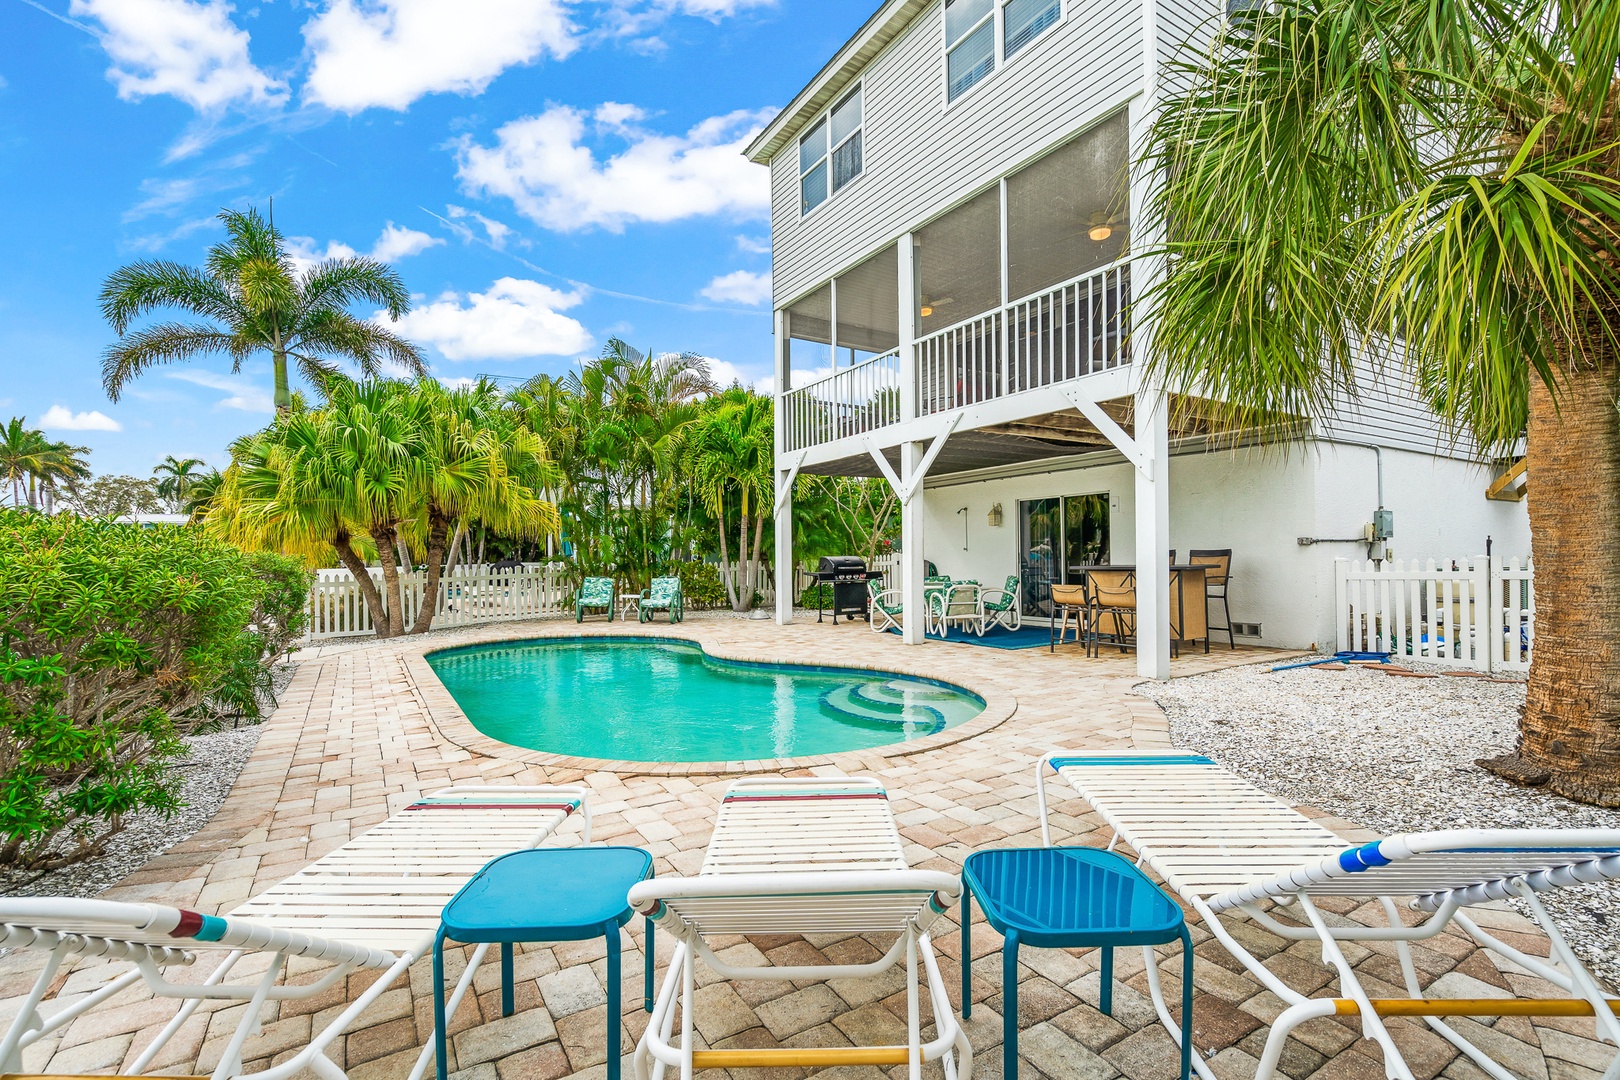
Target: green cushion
596, 592
662, 593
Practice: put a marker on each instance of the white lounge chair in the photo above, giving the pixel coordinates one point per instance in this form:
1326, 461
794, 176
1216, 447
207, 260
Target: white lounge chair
808, 855
373, 903
1225, 846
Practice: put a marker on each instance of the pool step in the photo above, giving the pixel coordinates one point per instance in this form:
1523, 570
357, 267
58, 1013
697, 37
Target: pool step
847, 704
897, 696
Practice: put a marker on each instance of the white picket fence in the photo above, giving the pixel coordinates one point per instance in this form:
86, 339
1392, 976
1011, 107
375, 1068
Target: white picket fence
1477, 613
472, 594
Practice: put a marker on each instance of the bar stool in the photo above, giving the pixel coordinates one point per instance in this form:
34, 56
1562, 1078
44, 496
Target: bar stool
1066, 600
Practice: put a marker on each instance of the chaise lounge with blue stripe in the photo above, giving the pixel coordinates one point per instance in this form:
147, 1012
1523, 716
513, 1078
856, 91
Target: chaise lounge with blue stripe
373, 903
1227, 848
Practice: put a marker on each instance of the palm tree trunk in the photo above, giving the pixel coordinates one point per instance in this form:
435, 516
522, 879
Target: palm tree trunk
1569, 734
356, 566
455, 547
745, 595
725, 563
384, 535
756, 575
438, 531
283, 396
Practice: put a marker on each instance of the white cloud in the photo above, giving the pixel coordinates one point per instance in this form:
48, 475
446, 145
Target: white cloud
513, 319
388, 53
57, 418
754, 245
240, 393
397, 243
724, 373
394, 244
459, 382
496, 232
739, 287
541, 164
190, 50
627, 17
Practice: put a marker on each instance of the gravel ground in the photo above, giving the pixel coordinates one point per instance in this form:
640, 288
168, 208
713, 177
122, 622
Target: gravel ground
1392, 755
207, 775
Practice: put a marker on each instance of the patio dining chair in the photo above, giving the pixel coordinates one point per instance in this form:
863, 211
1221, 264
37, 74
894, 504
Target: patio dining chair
884, 605
934, 588
1001, 605
1217, 563
960, 605
594, 593
1111, 609
664, 594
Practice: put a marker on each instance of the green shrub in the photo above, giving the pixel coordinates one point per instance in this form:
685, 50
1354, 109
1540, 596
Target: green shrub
111, 637
819, 595
248, 682
700, 584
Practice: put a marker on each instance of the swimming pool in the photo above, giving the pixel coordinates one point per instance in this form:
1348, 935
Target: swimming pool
641, 699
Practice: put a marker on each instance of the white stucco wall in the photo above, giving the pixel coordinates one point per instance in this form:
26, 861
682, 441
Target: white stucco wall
1256, 502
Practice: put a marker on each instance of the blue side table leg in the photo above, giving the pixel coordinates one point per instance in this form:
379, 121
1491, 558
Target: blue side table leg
440, 1027
508, 1006
1186, 1002
1009, 1007
967, 953
615, 994
1105, 996
647, 977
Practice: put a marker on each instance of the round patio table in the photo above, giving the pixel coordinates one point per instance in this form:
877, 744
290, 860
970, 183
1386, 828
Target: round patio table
545, 894
1068, 898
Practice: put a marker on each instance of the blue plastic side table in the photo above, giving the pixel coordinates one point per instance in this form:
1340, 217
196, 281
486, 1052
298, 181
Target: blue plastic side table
545, 894
1068, 898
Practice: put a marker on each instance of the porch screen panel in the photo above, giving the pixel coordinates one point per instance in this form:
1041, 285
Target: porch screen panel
1068, 215
810, 356
958, 264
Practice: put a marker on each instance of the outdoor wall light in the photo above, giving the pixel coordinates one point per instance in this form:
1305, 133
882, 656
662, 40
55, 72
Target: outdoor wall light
995, 516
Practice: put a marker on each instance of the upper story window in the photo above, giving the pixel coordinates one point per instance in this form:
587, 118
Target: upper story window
981, 34
830, 152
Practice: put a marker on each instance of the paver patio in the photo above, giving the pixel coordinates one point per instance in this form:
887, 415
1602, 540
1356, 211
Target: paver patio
360, 733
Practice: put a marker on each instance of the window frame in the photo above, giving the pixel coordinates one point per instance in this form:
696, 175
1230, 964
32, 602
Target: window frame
824, 120
997, 17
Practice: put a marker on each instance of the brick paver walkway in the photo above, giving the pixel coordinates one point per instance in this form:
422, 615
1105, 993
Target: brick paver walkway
357, 737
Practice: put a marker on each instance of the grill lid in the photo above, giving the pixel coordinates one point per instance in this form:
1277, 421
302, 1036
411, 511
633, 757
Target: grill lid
841, 564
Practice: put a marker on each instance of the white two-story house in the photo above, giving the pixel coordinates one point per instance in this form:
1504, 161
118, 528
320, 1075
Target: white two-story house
953, 221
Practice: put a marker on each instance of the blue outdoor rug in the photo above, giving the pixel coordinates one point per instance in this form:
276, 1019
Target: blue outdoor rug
999, 637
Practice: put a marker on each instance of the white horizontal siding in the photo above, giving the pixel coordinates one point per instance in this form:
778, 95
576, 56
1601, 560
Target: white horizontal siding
1389, 412
921, 157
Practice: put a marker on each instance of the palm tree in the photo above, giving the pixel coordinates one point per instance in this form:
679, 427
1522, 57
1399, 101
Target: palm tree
726, 454
176, 478
36, 467
478, 463
1335, 174
201, 493
255, 300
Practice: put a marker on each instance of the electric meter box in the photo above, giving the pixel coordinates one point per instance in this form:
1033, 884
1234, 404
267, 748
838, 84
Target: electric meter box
1383, 524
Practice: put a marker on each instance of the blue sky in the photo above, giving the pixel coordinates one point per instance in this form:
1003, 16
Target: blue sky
544, 174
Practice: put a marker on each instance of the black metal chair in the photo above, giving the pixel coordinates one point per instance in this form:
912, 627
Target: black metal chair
1217, 563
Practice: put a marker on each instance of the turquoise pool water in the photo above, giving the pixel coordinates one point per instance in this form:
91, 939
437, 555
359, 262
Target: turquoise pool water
658, 700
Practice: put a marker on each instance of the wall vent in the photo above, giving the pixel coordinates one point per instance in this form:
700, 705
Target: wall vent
1247, 629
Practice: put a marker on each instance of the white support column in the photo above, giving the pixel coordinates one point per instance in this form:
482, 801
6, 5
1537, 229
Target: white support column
1153, 537
907, 323
911, 543
786, 574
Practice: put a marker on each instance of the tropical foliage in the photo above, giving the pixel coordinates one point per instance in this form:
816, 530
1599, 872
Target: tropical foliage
177, 480
253, 300
34, 468
1422, 191
111, 496
395, 465
113, 640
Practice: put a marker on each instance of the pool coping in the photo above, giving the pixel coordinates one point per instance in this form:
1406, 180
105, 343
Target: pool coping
452, 724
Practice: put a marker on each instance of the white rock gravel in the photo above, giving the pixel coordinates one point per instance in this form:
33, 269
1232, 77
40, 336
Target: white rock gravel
207, 774
1393, 755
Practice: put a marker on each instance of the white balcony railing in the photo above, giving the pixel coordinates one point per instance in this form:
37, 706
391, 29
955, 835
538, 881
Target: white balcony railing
1077, 328
849, 402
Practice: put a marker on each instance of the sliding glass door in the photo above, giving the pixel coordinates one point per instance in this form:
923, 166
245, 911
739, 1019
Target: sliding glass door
1056, 537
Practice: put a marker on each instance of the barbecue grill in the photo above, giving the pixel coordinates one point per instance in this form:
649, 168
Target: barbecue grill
848, 575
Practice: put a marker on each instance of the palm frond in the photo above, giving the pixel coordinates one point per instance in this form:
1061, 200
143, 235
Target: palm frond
337, 283
366, 343
131, 291
165, 343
